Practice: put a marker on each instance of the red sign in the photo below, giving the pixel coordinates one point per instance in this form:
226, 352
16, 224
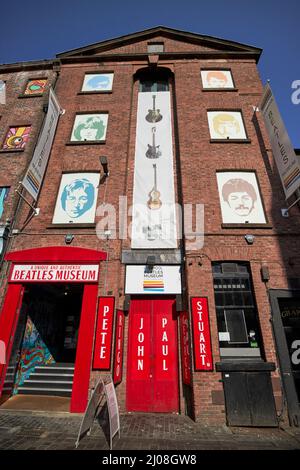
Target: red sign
140, 337
54, 273
103, 338
185, 347
118, 362
201, 334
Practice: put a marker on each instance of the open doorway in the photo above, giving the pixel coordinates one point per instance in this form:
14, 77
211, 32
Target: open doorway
44, 350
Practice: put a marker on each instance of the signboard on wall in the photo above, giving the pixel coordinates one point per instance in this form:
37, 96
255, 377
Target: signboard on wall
142, 279
287, 162
103, 336
201, 334
154, 210
185, 347
119, 345
54, 273
33, 178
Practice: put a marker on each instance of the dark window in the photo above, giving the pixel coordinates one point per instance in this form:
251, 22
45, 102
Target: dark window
238, 326
154, 85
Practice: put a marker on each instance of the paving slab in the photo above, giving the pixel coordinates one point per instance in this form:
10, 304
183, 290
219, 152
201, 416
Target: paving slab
58, 431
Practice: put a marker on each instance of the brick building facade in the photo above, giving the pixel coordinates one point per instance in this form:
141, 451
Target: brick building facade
154, 281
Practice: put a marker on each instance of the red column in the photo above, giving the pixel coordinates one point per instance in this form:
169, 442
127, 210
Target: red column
84, 349
8, 322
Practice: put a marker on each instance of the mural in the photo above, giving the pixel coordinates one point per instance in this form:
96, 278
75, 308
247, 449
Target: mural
89, 127
77, 198
98, 82
240, 198
3, 196
35, 87
217, 79
226, 125
16, 138
34, 353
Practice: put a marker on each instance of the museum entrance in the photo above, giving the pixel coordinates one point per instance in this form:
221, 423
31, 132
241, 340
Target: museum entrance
44, 349
152, 362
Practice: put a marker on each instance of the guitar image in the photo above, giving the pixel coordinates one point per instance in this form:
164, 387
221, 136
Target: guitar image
153, 114
153, 150
154, 201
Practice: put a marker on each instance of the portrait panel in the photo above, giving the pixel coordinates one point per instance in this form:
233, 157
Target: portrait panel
89, 127
3, 196
98, 82
77, 198
240, 198
217, 79
226, 125
36, 86
16, 138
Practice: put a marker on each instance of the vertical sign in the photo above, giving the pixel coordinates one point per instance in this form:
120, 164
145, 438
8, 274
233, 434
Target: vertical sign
154, 211
185, 347
103, 337
140, 337
165, 344
287, 162
201, 334
2, 92
118, 360
33, 178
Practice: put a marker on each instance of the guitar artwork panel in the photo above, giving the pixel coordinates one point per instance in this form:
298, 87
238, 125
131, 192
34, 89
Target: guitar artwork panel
154, 114
154, 202
153, 150
154, 215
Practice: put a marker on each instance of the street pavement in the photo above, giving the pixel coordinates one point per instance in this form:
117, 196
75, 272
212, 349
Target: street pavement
20, 430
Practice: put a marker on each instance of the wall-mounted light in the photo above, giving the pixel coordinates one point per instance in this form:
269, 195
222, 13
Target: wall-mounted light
104, 163
69, 238
249, 239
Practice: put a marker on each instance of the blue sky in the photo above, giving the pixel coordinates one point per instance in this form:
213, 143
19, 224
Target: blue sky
38, 30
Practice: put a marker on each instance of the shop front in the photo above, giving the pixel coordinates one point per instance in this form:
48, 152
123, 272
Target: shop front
47, 323
286, 326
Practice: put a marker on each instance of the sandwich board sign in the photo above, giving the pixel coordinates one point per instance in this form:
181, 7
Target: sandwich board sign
103, 389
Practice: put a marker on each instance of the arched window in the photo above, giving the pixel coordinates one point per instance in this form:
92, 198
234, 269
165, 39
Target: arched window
154, 81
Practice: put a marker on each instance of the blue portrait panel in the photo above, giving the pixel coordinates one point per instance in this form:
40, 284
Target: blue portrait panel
3, 196
77, 198
98, 82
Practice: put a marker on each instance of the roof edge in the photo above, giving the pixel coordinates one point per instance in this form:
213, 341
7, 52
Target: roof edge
160, 29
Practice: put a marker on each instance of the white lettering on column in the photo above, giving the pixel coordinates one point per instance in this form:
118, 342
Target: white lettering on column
165, 347
141, 337
141, 349
202, 345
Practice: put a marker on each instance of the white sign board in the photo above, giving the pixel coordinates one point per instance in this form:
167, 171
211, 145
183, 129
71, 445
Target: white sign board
54, 273
154, 210
34, 175
287, 162
113, 410
141, 279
